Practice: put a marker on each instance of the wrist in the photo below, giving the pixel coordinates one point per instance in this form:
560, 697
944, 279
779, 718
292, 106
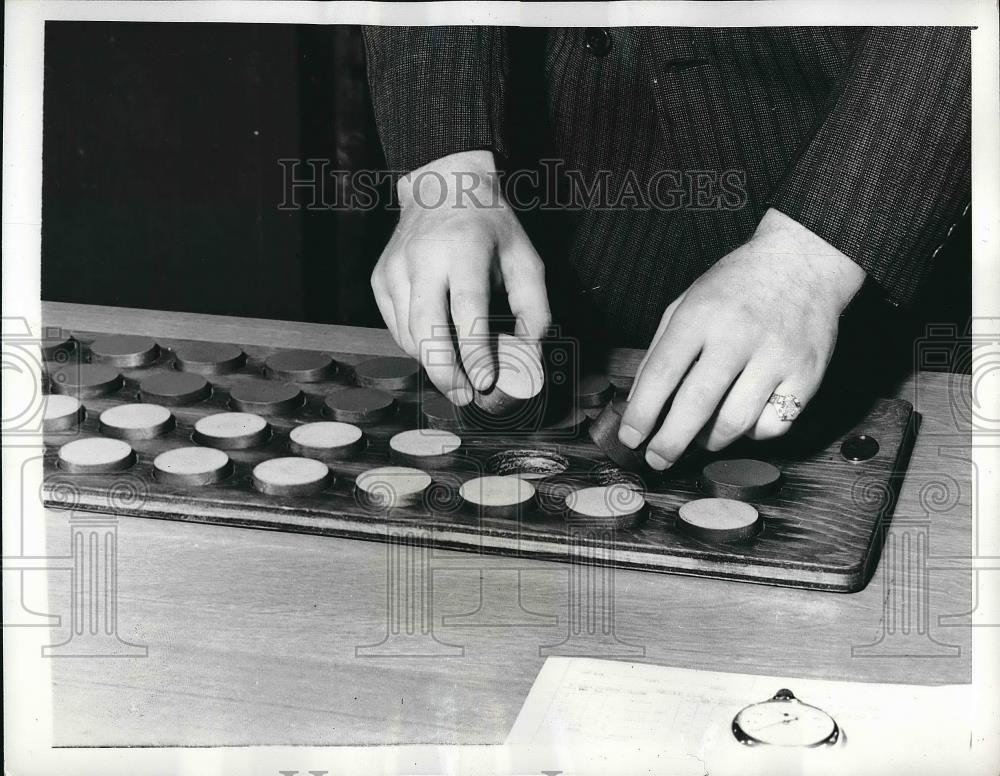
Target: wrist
834, 273
457, 180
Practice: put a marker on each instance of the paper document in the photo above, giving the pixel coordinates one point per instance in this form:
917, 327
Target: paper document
579, 704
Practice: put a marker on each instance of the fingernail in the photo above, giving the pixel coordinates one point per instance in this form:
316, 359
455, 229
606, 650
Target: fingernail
656, 461
629, 436
460, 396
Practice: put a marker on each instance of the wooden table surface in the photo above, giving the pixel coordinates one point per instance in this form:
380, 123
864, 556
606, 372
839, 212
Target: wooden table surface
254, 636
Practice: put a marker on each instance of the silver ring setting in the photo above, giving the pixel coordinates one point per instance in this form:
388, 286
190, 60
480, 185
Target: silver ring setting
786, 405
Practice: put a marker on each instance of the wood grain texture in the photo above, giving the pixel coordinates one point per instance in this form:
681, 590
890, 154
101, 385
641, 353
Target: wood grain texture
822, 530
254, 636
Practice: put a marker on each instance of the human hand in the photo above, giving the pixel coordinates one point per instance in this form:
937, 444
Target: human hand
762, 320
456, 240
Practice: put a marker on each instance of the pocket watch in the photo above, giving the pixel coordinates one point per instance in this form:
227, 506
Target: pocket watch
784, 720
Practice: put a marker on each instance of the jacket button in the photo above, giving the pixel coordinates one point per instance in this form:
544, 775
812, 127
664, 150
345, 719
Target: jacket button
598, 41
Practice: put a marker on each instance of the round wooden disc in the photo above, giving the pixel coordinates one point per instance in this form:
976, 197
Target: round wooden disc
423, 446
520, 377
571, 423
497, 496
291, 476
604, 433
742, 478
616, 506
209, 358
594, 391
359, 405
439, 413
389, 374
326, 439
136, 421
62, 413
125, 350
95, 455
391, 486
57, 348
719, 520
86, 381
300, 366
231, 430
265, 396
175, 389
191, 466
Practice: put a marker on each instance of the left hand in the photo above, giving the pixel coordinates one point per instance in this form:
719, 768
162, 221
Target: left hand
762, 320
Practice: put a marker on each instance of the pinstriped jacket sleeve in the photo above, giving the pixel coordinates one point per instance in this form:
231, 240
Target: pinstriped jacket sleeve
886, 172
437, 91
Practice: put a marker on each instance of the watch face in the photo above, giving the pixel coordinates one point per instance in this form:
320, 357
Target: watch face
784, 723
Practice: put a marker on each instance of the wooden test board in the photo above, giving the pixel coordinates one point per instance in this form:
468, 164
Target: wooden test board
823, 530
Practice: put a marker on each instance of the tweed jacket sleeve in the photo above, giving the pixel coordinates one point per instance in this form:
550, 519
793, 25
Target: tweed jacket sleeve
886, 172
437, 91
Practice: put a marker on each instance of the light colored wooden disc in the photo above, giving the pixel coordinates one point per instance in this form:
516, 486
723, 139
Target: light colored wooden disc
718, 514
719, 519
497, 491
135, 417
59, 407
96, 454
425, 442
230, 425
291, 472
519, 372
606, 501
326, 435
187, 461
389, 486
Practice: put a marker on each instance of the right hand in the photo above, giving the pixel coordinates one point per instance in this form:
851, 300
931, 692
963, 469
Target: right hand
449, 249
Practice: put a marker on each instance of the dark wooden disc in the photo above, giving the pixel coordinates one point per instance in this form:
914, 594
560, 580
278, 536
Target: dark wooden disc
209, 358
174, 389
389, 373
568, 425
594, 391
86, 381
438, 412
265, 396
57, 348
604, 432
359, 405
300, 366
743, 479
125, 350
719, 520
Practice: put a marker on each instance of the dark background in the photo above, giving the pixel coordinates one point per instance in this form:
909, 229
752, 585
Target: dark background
161, 180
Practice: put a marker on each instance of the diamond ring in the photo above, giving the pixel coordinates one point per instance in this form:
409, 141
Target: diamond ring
786, 405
